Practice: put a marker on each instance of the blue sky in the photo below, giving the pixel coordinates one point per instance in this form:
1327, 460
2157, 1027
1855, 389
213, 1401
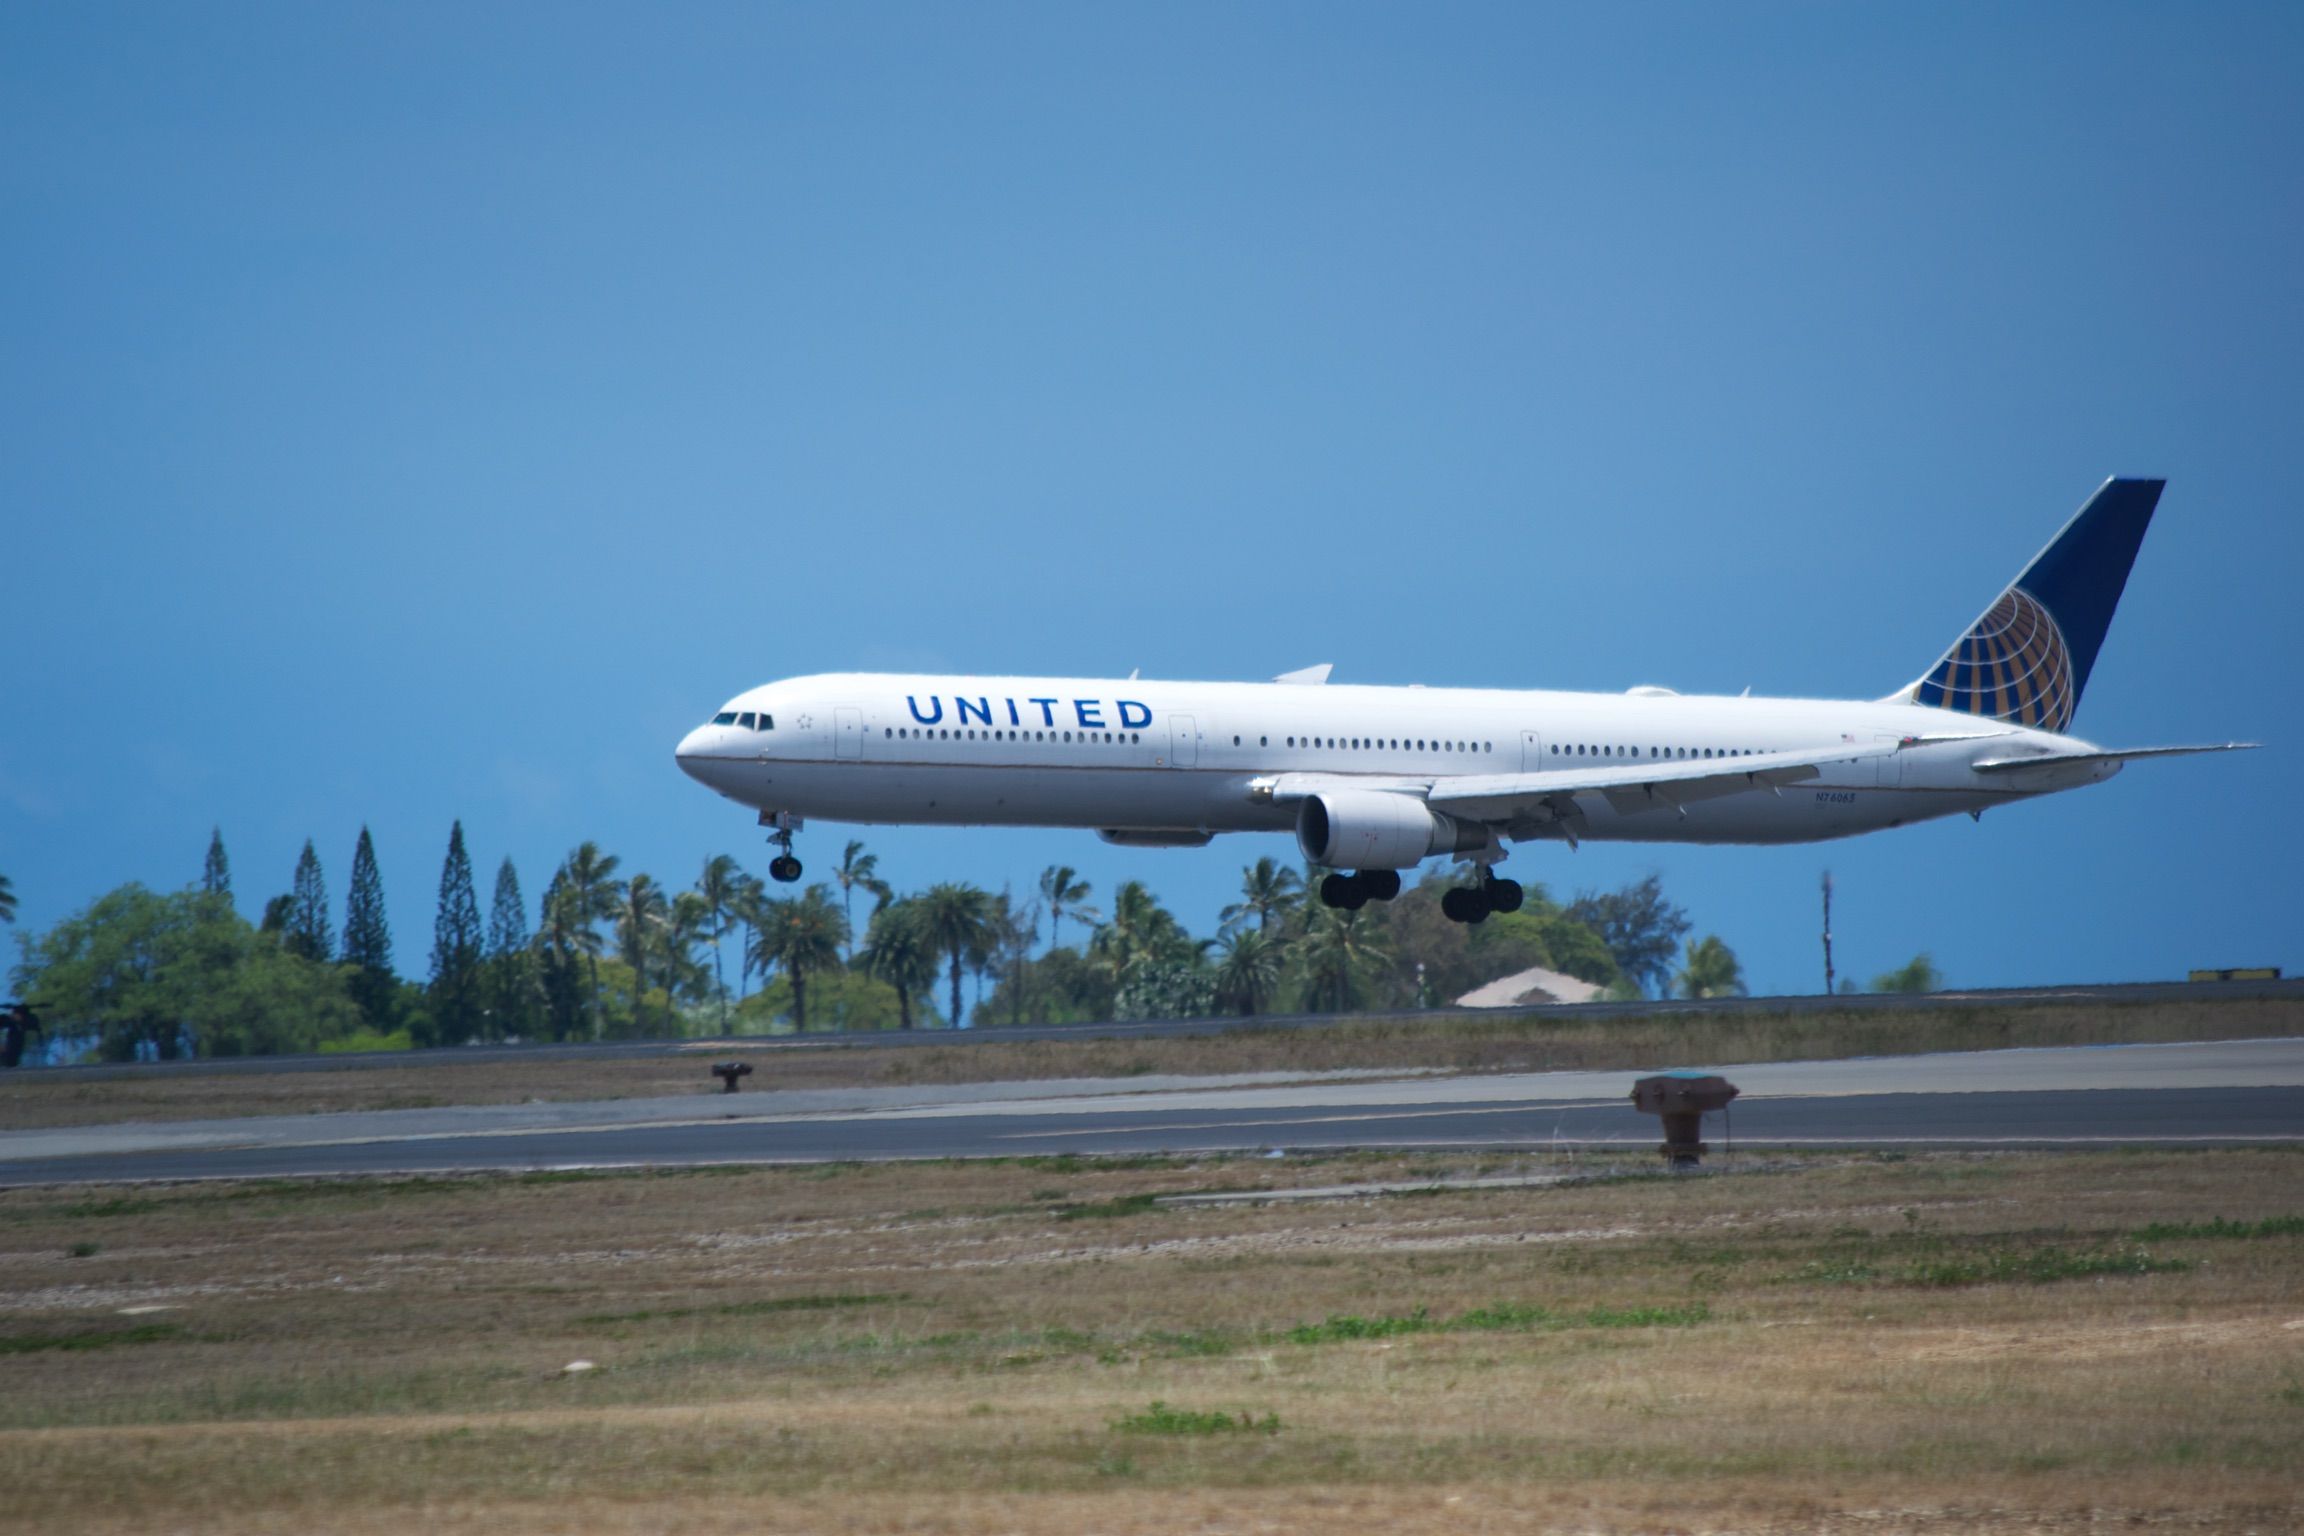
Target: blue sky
423, 412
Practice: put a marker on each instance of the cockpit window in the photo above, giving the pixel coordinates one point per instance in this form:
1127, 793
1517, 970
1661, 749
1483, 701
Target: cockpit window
725, 717
745, 720
767, 722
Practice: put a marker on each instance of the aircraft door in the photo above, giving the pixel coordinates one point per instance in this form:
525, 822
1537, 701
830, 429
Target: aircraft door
847, 732
1531, 752
1183, 741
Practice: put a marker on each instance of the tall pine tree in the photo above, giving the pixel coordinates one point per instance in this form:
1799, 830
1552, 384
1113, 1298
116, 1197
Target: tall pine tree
307, 931
216, 874
512, 991
368, 941
458, 1000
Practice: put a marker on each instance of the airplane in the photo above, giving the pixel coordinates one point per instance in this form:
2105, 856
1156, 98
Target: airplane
1375, 780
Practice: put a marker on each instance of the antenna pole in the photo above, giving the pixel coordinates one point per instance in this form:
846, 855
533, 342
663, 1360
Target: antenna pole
1827, 933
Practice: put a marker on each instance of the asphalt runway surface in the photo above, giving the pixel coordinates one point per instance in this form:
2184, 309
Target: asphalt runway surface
2221, 1093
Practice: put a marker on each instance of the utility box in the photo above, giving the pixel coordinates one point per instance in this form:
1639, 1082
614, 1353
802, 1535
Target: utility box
1681, 1100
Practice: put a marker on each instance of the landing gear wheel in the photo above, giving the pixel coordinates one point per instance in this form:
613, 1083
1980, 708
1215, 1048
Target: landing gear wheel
1381, 884
1465, 904
784, 868
1347, 893
1504, 895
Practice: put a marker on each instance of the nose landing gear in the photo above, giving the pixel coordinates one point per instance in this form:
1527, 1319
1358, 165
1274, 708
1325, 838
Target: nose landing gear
784, 869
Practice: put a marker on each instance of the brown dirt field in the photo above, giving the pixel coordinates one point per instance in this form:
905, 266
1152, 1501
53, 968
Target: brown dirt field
1880, 1344
1525, 1042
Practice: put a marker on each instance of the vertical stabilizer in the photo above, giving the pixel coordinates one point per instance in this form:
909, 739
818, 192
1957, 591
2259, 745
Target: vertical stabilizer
2027, 659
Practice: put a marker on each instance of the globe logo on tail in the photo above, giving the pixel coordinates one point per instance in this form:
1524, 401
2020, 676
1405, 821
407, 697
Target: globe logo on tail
2011, 665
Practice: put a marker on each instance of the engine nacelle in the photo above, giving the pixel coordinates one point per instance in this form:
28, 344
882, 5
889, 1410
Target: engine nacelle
1375, 829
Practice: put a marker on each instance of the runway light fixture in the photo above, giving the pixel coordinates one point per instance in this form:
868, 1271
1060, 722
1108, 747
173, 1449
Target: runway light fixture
1681, 1099
729, 1071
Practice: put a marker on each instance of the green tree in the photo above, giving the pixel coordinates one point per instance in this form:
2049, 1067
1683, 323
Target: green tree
1064, 894
563, 941
216, 873
801, 935
1641, 929
1015, 928
307, 933
898, 950
512, 992
1249, 972
687, 922
1269, 891
594, 894
640, 919
1711, 969
721, 888
858, 868
455, 995
1920, 975
1341, 959
181, 974
958, 919
1140, 933
368, 941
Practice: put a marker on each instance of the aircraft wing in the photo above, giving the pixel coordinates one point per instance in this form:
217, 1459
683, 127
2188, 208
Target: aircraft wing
1551, 795
2119, 755
1522, 801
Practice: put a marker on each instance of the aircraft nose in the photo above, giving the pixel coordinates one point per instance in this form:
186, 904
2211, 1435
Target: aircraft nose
691, 753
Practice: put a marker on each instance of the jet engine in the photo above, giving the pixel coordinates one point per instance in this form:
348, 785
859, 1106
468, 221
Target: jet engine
1376, 829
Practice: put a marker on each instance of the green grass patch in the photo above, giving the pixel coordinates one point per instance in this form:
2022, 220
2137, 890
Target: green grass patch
2186, 1231
89, 1338
1504, 1317
1161, 1419
768, 1308
2001, 1266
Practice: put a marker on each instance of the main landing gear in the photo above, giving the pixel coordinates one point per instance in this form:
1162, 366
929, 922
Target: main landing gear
1473, 903
784, 869
1350, 893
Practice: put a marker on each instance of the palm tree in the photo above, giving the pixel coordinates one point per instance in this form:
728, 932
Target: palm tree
897, 951
1063, 891
744, 913
801, 933
1268, 889
640, 918
1141, 931
686, 925
958, 921
7, 900
858, 868
1015, 928
1711, 970
1338, 952
1249, 970
718, 887
594, 893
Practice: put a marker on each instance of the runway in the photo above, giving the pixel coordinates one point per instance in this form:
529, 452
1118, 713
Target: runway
2222, 1093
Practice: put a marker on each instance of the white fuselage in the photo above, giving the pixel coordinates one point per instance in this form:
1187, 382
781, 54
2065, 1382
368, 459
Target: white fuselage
1178, 761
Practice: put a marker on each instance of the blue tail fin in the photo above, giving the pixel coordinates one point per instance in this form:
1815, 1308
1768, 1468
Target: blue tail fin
2028, 658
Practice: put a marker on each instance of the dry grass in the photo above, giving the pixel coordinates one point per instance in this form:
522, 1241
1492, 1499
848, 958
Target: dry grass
1476, 1042
931, 1348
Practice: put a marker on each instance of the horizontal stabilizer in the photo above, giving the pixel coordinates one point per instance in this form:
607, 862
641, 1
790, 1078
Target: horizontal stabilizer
2123, 755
